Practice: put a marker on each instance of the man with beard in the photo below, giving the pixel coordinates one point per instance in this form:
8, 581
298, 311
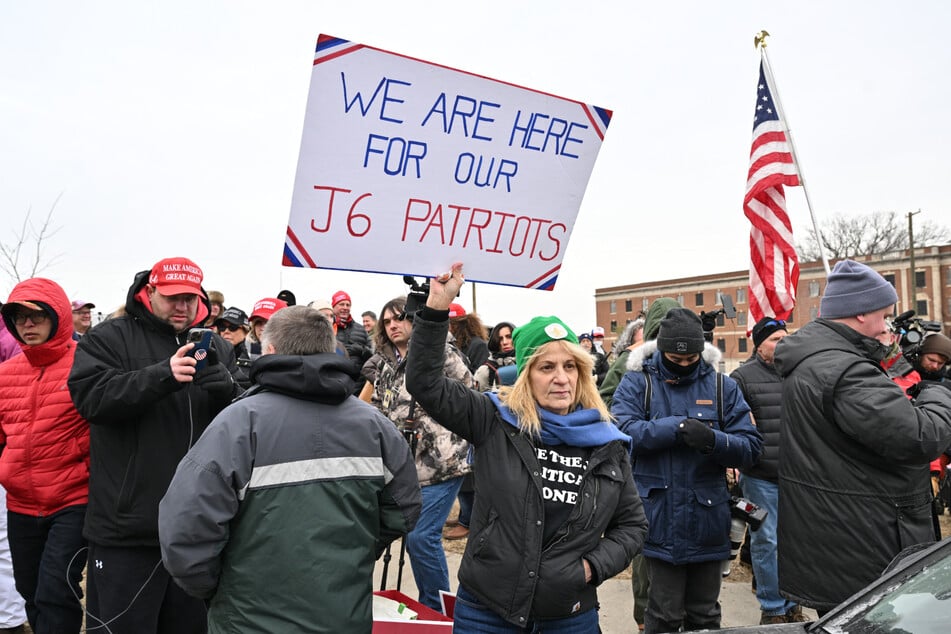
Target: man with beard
146, 404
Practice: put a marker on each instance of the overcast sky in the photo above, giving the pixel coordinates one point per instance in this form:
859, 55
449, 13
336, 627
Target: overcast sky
173, 128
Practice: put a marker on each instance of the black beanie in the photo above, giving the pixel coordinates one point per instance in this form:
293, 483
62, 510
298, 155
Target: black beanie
680, 332
764, 328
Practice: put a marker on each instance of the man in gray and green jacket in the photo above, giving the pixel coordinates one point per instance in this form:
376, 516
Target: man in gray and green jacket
279, 511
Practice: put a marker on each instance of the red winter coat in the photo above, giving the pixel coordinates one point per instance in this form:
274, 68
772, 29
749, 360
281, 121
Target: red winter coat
45, 464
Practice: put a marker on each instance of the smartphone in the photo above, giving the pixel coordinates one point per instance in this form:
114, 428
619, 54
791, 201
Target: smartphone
201, 337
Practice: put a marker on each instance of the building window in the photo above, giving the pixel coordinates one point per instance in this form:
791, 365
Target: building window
947, 279
741, 344
720, 319
741, 319
613, 325
814, 288
814, 312
628, 305
741, 296
645, 304
680, 299
613, 306
919, 279
890, 278
721, 344
719, 298
921, 308
698, 299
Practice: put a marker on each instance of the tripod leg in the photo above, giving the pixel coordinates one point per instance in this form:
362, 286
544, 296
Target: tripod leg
387, 556
399, 576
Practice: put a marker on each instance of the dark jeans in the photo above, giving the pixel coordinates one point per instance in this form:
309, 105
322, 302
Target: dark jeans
686, 595
132, 593
48, 560
466, 499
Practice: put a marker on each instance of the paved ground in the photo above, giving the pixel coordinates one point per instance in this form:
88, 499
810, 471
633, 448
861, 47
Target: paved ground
617, 604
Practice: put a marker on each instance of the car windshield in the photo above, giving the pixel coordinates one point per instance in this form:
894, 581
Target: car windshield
919, 604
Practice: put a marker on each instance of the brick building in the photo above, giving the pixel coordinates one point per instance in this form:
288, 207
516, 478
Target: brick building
618, 305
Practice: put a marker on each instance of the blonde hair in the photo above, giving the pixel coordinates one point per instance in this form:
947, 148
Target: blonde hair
521, 400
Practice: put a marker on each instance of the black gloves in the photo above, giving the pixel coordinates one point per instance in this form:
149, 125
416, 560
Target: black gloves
697, 435
216, 380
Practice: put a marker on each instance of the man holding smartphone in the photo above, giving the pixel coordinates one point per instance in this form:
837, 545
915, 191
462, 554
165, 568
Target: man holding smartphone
146, 404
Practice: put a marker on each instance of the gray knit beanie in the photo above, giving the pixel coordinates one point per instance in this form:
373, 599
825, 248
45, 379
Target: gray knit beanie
681, 332
855, 289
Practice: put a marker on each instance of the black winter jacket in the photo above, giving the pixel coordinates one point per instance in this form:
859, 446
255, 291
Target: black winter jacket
853, 472
141, 420
506, 565
354, 338
763, 391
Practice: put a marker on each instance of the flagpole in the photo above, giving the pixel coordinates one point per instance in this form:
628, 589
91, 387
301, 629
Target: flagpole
760, 41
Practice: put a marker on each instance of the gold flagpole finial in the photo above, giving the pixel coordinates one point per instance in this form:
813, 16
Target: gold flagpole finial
759, 40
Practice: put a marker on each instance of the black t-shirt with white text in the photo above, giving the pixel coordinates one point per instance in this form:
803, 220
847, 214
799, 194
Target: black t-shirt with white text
562, 469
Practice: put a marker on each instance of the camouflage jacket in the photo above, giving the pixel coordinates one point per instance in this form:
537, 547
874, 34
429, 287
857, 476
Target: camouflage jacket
440, 454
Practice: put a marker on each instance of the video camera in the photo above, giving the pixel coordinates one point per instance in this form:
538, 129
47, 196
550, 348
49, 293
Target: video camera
416, 298
911, 331
709, 320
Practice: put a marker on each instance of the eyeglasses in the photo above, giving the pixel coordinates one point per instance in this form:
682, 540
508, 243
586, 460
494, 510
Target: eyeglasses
228, 327
36, 317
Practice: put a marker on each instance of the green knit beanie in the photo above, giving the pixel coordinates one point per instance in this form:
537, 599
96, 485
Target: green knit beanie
538, 332
655, 314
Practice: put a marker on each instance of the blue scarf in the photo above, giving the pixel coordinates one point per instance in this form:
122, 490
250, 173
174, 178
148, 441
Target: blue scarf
580, 428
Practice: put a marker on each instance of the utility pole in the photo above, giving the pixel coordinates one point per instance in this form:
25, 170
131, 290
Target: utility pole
911, 257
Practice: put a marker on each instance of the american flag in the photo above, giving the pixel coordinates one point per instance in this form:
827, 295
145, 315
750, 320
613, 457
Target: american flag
774, 266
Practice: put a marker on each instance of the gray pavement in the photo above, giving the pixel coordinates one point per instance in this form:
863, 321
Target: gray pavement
617, 604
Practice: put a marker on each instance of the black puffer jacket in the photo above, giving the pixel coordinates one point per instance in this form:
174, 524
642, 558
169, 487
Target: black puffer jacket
141, 420
762, 389
354, 338
506, 565
853, 471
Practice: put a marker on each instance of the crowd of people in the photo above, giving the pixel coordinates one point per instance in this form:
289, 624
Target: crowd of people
251, 484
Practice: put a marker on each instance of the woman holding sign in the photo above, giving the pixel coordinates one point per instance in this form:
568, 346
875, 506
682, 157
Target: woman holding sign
557, 513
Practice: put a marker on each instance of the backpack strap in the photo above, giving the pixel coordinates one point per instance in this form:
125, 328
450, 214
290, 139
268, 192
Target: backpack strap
720, 398
648, 394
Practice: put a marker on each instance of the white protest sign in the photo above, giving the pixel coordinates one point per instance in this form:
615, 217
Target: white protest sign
407, 166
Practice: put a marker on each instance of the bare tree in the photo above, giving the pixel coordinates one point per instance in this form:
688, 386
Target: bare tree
868, 234
17, 260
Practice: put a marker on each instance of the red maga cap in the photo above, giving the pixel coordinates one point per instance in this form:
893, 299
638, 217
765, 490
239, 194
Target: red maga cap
174, 276
264, 308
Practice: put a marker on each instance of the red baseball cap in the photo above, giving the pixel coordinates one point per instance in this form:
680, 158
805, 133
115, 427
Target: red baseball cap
175, 276
264, 308
456, 310
338, 297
